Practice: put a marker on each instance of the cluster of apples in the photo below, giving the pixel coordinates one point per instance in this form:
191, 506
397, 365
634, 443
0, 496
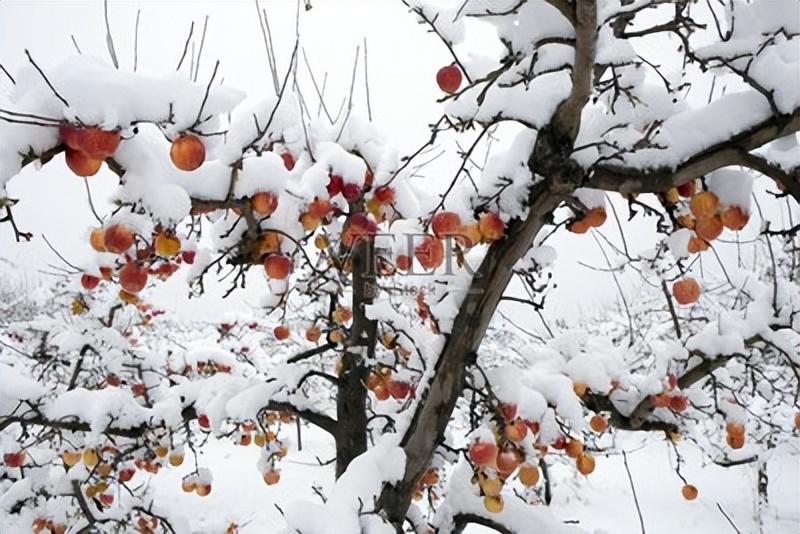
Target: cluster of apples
381, 383
707, 217
198, 482
87, 147
161, 259
671, 396
429, 252
42, 525
594, 218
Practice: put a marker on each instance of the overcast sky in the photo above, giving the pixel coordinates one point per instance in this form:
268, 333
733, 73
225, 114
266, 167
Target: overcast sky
402, 61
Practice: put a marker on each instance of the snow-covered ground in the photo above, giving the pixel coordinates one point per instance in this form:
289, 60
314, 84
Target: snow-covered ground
603, 502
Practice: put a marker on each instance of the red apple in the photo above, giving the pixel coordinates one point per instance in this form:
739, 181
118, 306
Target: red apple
288, 161
278, 266
188, 256
89, 282
14, 459
399, 389
449, 78
187, 152
678, 403
686, 190
335, 184
281, 332
384, 194
686, 291
403, 262
126, 474
203, 421
446, 223
429, 252
118, 238
507, 461
82, 164
482, 453
133, 277
107, 498
358, 225
351, 192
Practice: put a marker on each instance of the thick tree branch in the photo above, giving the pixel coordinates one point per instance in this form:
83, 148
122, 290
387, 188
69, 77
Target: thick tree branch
733, 151
75, 425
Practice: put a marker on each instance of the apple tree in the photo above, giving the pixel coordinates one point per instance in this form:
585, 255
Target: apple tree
377, 319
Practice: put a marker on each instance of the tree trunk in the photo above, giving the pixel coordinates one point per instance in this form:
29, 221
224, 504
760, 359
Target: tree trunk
351, 414
432, 416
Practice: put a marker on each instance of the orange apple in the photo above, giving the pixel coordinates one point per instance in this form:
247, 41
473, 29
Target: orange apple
313, 334
598, 423
595, 217
272, 477
528, 475
704, 204
689, 492
709, 228
82, 164
491, 227
187, 152
735, 218
97, 239
167, 245
585, 463
264, 203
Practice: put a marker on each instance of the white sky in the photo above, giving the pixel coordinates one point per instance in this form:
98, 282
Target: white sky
403, 60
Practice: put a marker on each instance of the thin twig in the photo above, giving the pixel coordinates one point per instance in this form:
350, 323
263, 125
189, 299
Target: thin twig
200, 50
109, 39
57, 253
633, 489
350, 96
366, 81
136, 41
13, 81
205, 96
75, 44
44, 76
185, 47
719, 506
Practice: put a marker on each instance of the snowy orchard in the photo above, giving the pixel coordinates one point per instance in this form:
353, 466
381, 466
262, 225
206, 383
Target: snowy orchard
378, 326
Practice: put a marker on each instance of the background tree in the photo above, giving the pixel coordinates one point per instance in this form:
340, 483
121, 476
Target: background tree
382, 294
